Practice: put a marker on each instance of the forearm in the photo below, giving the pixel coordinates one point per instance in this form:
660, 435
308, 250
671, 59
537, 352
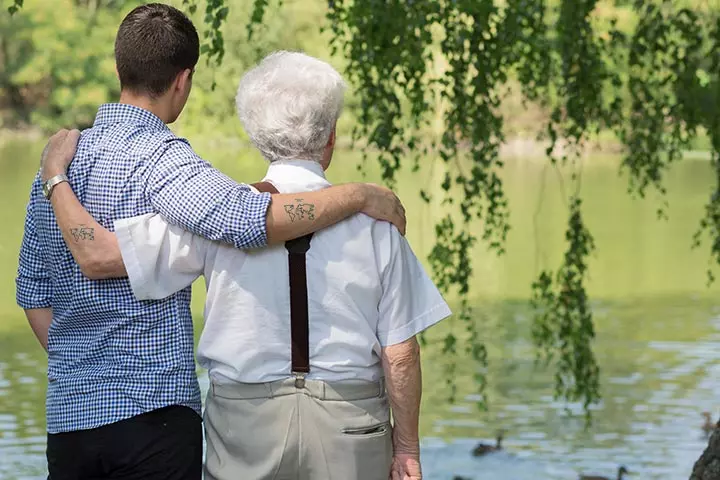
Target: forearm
294, 215
403, 377
40, 319
94, 248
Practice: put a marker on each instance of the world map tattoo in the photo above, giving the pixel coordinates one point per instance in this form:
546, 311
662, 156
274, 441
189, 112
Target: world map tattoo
300, 210
82, 232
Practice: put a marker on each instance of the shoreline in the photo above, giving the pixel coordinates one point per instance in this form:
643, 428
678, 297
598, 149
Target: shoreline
517, 146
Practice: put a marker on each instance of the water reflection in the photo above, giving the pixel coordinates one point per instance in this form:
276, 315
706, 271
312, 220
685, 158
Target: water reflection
22, 407
656, 384
654, 389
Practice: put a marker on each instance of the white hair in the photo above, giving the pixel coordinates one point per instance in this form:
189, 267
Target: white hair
289, 105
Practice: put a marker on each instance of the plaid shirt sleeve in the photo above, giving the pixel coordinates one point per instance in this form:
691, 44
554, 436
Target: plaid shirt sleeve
191, 193
34, 287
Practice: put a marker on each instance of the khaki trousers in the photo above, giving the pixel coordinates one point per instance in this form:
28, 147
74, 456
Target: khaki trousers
313, 431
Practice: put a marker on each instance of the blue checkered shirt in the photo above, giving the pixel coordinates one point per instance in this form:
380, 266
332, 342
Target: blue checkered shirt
110, 356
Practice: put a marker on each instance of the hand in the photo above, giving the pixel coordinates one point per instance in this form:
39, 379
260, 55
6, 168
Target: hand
58, 153
405, 466
382, 204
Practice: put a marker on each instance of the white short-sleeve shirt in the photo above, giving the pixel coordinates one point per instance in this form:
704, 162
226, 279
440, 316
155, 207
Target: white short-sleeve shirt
366, 290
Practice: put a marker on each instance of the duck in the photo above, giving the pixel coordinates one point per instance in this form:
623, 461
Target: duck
622, 471
485, 448
709, 426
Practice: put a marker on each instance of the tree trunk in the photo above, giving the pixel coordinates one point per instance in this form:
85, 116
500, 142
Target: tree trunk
708, 465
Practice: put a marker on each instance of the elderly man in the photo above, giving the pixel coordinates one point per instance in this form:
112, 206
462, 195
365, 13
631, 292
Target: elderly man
302, 342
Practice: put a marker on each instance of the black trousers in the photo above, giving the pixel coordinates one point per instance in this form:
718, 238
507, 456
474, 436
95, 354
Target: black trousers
164, 444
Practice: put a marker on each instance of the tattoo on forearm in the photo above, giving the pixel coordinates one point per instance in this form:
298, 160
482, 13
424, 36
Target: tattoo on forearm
300, 210
82, 232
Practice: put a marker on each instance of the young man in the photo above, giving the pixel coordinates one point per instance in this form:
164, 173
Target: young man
123, 399
317, 409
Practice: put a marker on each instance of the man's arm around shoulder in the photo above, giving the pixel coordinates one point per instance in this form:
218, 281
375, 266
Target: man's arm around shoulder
191, 193
197, 197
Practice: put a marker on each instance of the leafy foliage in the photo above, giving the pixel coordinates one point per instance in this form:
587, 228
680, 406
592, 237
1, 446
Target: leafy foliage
15, 6
216, 12
563, 327
51, 71
55, 70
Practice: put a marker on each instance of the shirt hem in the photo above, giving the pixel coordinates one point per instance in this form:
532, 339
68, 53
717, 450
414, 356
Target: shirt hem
197, 408
33, 306
417, 325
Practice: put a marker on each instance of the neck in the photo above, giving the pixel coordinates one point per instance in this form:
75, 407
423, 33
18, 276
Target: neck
156, 107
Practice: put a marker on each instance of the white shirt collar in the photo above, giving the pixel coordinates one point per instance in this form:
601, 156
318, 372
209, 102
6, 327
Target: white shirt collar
291, 176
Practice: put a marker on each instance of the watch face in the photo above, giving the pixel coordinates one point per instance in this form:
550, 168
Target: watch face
45, 189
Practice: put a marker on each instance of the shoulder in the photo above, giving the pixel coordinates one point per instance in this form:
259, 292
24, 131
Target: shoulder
167, 152
130, 140
177, 149
385, 233
361, 226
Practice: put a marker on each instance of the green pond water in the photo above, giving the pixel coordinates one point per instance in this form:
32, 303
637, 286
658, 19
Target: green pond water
658, 327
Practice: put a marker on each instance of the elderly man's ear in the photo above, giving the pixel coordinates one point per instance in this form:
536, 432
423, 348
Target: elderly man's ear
329, 149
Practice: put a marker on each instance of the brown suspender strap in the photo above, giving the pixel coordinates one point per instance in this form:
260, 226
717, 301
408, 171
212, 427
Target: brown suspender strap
299, 320
265, 187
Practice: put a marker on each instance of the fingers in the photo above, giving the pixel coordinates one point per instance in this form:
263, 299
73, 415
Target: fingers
398, 220
55, 140
73, 137
401, 221
59, 136
59, 152
385, 205
399, 214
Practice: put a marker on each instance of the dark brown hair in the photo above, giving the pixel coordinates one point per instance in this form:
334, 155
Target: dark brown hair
155, 42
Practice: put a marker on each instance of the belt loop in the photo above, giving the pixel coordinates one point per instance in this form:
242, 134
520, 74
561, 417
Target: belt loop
381, 385
269, 388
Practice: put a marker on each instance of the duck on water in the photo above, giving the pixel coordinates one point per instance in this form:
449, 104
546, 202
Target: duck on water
485, 448
709, 426
622, 471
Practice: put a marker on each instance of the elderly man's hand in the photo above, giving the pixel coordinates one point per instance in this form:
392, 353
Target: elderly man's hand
405, 466
58, 153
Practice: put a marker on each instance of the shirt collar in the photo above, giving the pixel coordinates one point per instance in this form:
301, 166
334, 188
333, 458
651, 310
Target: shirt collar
291, 176
123, 113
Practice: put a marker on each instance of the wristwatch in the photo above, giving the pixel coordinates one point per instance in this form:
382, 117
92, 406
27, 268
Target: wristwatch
51, 182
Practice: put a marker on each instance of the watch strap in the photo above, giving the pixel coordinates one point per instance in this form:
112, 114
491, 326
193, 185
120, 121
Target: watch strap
52, 182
